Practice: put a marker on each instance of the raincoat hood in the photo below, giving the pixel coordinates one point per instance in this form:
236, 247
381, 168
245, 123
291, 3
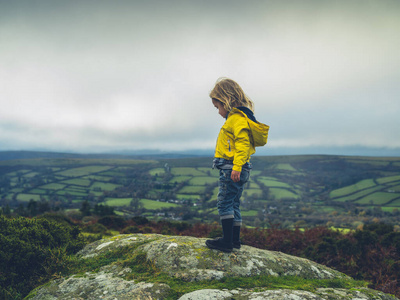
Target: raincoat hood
239, 136
258, 131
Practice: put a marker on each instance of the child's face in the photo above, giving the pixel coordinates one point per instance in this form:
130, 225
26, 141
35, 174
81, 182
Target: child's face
221, 110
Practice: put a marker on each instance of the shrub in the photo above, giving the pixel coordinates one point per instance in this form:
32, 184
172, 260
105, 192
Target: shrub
130, 229
112, 222
56, 217
95, 228
379, 228
139, 220
146, 229
215, 233
92, 238
32, 251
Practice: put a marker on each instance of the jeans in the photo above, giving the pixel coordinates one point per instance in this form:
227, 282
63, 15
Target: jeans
228, 201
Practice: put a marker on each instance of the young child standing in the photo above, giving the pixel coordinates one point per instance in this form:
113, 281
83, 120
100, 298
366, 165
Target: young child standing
236, 142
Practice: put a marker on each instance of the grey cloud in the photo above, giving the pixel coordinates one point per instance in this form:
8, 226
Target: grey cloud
136, 74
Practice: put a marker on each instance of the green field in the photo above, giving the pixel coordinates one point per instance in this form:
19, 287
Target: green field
83, 171
272, 183
38, 191
363, 184
279, 193
215, 193
31, 174
378, 198
395, 203
192, 189
77, 188
97, 178
254, 173
209, 171
53, 186
186, 172
66, 192
77, 181
390, 209
104, 186
252, 185
202, 180
157, 171
388, 179
154, 205
118, 201
284, 167
253, 192
293, 185
179, 179
249, 213
28, 197
188, 196
147, 203
358, 195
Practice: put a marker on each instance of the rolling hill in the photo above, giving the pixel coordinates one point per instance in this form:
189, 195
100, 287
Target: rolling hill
341, 191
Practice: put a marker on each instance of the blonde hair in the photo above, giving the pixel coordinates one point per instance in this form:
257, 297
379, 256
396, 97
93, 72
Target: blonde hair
230, 94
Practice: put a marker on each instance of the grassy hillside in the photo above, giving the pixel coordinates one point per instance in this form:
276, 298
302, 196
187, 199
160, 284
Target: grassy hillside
290, 190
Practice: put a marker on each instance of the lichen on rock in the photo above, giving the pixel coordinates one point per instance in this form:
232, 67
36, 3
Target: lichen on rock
189, 260
109, 244
286, 294
106, 284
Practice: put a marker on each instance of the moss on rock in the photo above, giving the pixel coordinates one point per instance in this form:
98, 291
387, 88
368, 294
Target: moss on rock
153, 266
323, 294
105, 284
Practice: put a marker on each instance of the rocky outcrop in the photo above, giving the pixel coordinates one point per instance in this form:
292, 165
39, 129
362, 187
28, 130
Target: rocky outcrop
189, 260
108, 283
285, 294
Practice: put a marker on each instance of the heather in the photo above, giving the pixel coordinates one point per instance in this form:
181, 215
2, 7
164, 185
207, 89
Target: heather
370, 254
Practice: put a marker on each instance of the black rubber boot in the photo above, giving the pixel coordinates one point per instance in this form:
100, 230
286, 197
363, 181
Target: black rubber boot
225, 243
236, 237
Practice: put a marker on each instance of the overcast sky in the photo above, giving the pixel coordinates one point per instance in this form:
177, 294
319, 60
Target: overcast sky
98, 76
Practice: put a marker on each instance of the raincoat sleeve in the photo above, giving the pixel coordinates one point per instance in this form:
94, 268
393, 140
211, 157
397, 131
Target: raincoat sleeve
242, 143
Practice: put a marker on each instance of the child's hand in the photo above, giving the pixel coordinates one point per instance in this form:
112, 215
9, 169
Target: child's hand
235, 176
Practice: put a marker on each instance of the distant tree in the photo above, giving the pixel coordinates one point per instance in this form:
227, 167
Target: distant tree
85, 208
32, 208
113, 222
7, 210
136, 203
103, 210
43, 206
139, 220
257, 223
20, 210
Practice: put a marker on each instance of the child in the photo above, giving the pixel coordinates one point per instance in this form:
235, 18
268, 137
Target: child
236, 142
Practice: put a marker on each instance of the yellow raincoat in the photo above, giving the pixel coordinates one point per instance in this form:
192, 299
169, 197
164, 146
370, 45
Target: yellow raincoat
238, 138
